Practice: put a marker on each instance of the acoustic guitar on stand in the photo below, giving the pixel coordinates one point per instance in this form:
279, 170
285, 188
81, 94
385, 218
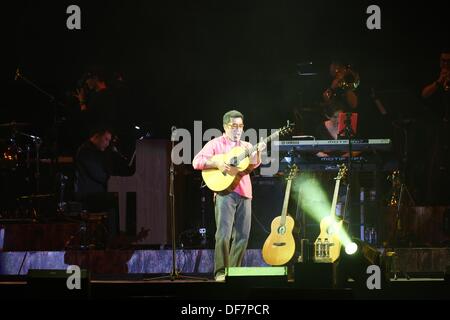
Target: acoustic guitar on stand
328, 243
239, 158
280, 245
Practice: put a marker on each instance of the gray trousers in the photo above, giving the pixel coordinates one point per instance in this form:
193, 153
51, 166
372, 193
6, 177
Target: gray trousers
233, 220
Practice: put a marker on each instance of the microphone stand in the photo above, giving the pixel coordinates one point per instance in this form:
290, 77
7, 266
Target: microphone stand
348, 133
56, 120
37, 142
174, 274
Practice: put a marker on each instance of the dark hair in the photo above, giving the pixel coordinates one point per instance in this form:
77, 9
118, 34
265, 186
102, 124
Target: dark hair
100, 131
232, 114
96, 71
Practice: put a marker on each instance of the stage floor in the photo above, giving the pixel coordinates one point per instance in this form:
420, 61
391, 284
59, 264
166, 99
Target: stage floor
414, 273
14, 287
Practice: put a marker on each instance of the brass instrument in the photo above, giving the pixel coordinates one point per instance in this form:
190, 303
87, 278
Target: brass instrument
446, 84
350, 78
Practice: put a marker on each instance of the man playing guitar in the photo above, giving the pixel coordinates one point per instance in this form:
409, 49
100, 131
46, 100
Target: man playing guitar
232, 207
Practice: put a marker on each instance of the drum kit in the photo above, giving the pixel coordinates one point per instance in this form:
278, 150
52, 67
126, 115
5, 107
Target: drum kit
19, 172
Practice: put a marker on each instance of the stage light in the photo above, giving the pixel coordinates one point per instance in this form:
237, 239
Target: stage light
352, 268
351, 248
314, 199
315, 203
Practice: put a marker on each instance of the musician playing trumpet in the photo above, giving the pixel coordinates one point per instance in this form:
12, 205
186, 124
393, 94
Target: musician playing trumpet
343, 86
437, 98
443, 82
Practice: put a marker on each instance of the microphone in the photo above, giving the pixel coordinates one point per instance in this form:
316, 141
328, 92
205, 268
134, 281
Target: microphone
116, 151
17, 75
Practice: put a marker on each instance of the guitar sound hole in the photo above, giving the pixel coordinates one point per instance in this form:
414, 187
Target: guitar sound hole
233, 162
279, 244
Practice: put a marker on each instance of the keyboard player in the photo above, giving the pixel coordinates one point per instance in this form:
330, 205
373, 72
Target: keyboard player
328, 130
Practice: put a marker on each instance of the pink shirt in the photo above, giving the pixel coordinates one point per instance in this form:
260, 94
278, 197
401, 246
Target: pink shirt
222, 145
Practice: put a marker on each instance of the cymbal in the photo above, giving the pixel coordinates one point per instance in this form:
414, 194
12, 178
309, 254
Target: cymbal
37, 196
14, 124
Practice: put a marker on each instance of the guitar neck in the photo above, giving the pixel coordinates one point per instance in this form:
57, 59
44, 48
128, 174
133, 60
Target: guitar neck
335, 196
248, 152
285, 203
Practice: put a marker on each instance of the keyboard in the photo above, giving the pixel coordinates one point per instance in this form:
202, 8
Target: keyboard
332, 145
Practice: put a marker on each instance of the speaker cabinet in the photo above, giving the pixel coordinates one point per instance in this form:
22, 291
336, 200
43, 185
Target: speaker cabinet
53, 284
315, 275
267, 203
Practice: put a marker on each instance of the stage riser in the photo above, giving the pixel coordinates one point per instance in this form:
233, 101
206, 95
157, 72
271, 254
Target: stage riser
413, 260
119, 261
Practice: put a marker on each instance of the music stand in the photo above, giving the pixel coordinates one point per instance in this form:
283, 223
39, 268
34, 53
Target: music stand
174, 274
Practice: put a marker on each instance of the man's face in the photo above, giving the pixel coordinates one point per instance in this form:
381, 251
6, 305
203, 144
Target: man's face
335, 118
336, 69
234, 129
92, 83
445, 60
102, 141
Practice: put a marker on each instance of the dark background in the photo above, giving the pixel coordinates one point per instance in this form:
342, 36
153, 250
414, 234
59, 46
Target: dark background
193, 60
186, 60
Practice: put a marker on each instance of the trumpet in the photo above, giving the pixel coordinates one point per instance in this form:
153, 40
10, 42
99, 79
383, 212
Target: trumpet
349, 79
445, 76
446, 84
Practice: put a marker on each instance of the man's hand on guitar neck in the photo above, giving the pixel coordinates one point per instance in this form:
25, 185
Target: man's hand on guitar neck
256, 156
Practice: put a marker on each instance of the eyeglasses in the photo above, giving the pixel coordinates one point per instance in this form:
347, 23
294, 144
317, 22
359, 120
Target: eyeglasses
235, 126
445, 61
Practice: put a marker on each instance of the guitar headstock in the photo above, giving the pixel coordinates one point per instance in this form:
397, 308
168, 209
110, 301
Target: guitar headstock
293, 172
286, 129
342, 172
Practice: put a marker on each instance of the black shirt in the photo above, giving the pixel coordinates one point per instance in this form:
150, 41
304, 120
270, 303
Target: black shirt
92, 169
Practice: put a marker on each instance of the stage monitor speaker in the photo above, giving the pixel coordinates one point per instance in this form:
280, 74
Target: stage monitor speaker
257, 276
447, 274
315, 275
53, 284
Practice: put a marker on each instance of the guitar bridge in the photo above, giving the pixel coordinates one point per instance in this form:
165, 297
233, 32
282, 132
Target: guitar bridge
279, 244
